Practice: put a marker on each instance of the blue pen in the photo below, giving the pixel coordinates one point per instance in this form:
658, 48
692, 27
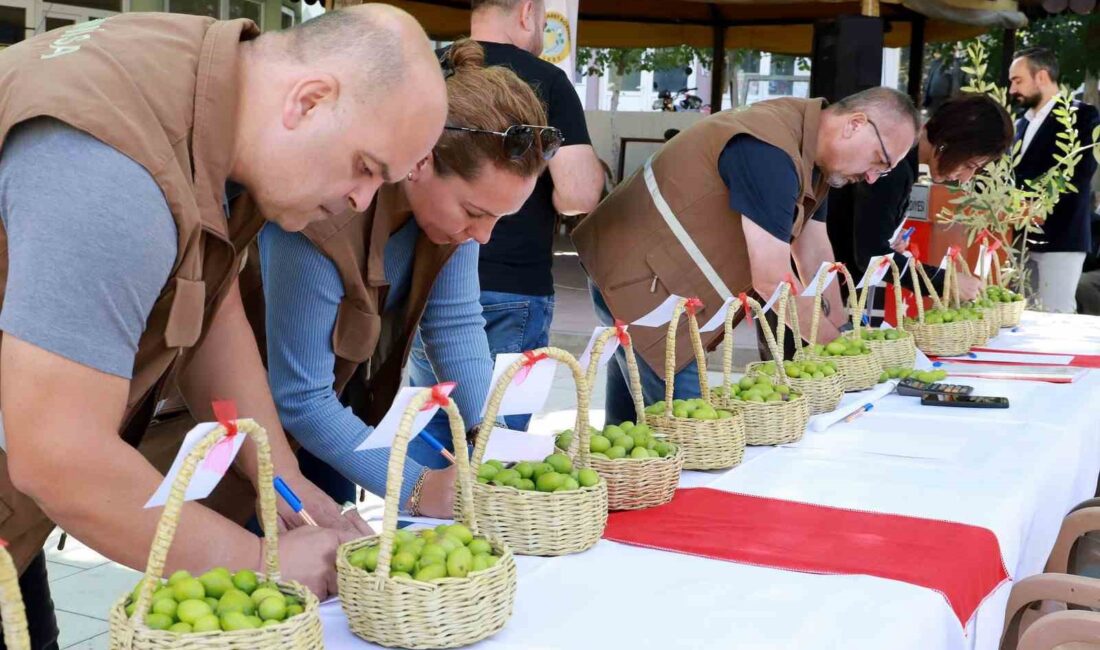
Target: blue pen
908, 232
292, 500
438, 446
863, 409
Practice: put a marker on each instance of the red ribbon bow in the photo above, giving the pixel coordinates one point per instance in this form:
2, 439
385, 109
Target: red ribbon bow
790, 282
225, 410
992, 248
836, 267
220, 456
530, 359
953, 252
693, 305
440, 396
620, 332
744, 298
3, 543
884, 262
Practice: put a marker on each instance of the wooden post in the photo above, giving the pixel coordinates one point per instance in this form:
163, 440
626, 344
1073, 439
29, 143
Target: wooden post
916, 58
1009, 48
718, 67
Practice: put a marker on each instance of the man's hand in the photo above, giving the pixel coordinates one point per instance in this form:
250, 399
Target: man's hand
308, 555
320, 506
969, 286
437, 494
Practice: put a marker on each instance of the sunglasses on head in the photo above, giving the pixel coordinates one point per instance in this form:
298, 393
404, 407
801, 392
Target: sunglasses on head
519, 138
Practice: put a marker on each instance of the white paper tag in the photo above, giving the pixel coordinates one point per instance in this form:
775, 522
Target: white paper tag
719, 317
879, 272
922, 361
885, 326
383, 435
943, 262
811, 286
905, 266
529, 389
608, 349
984, 262
508, 445
897, 233
774, 297
206, 477
661, 315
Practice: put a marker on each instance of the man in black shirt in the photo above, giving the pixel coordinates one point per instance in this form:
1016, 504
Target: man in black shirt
515, 267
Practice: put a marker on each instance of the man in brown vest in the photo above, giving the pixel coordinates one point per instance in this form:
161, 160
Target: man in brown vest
723, 208
130, 185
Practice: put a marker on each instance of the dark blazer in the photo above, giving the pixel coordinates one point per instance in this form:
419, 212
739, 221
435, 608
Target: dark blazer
1067, 227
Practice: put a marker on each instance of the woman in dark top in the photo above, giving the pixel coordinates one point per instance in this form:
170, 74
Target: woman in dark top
963, 135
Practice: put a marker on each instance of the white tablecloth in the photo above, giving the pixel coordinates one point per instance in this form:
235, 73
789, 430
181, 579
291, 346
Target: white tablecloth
1015, 471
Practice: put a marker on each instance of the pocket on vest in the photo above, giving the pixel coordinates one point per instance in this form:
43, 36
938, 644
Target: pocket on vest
185, 316
356, 333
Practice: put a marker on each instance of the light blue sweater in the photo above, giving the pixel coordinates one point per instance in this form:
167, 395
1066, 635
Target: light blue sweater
303, 291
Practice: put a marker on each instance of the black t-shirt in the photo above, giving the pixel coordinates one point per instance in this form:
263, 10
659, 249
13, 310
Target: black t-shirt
763, 185
519, 257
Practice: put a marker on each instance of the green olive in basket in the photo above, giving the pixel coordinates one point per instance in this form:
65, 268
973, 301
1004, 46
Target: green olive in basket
460, 532
616, 452
246, 581
656, 408
272, 609
158, 621
487, 471
216, 583
588, 477
235, 600
505, 475
192, 610
525, 469
208, 623
560, 463
564, 439
403, 561
235, 621
430, 572
540, 469
480, 563
599, 443
549, 482
568, 484
294, 610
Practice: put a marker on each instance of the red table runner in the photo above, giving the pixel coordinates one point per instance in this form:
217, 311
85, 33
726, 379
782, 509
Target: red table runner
961, 562
1079, 360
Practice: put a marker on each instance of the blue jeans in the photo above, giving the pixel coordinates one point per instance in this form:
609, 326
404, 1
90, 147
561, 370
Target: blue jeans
619, 406
513, 323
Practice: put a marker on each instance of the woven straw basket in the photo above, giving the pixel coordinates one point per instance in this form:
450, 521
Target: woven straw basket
634, 483
939, 339
541, 523
300, 632
989, 324
1008, 313
902, 351
858, 372
706, 444
12, 614
443, 613
766, 423
822, 395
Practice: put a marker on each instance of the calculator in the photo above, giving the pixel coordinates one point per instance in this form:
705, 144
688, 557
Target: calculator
914, 388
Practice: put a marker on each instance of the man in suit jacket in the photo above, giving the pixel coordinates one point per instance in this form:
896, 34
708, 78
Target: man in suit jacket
1057, 253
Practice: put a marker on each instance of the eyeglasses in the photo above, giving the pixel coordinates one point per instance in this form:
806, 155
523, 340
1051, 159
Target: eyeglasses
519, 138
885, 154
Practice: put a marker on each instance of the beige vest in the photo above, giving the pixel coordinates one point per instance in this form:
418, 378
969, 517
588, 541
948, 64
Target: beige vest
632, 254
162, 89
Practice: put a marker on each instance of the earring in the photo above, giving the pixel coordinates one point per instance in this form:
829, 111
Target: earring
409, 176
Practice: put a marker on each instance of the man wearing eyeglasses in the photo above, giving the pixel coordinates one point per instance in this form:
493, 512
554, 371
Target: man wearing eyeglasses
726, 207
516, 266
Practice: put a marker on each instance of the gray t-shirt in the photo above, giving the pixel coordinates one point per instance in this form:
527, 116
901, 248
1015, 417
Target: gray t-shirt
91, 243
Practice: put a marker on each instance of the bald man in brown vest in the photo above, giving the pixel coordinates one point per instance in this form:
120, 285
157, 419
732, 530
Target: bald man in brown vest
727, 206
130, 186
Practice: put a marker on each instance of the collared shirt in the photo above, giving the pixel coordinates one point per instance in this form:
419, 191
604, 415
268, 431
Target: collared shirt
1035, 120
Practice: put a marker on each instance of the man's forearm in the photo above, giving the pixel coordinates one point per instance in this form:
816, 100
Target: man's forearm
101, 501
228, 366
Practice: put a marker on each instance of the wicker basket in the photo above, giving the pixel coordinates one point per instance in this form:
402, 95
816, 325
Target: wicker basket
443, 613
858, 372
541, 523
1008, 313
12, 613
938, 339
766, 423
633, 483
300, 632
902, 351
706, 444
822, 395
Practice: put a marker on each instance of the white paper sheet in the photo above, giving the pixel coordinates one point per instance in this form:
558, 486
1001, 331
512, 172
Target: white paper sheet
880, 271
660, 315
719, 317
811, 287
608, 349
386, 431
851, 403
205, 478
508, 445
529, 390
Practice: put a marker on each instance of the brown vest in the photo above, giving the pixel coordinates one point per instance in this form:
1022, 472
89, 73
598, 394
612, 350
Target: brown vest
372, 343
161, 89
632, 255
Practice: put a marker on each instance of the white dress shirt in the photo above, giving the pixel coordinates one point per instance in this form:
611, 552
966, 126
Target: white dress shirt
1035, 120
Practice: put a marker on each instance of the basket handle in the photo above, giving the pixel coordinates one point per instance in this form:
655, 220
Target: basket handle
727, 343
169, 519
464, 504
631, 367
762, 323
856, 300
501, 387
12, 613
937, 303
863, 296
899, 303
670, 354
792, 314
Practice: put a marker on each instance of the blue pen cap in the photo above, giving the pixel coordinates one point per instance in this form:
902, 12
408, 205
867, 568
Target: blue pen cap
284, 491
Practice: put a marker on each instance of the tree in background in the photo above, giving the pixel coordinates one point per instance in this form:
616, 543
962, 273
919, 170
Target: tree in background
620, 61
